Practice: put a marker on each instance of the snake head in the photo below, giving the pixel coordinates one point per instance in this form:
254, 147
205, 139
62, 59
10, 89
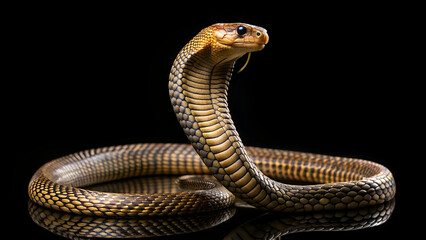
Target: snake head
236, 39
241, 35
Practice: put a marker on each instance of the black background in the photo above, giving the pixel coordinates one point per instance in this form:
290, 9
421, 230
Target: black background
334, 79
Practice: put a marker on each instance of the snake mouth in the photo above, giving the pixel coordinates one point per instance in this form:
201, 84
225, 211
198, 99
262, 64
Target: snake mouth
253, 46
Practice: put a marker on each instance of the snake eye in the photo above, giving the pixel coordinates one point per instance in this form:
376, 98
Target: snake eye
241, 30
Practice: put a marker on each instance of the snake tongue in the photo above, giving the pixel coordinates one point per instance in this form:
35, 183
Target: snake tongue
245, 64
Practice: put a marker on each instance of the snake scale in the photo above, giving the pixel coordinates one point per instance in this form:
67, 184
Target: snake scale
257, 225
198, 85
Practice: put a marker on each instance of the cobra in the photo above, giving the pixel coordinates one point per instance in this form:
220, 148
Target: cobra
198, 87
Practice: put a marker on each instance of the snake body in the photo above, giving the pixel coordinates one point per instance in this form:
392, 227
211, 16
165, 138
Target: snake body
198, 85
257, 225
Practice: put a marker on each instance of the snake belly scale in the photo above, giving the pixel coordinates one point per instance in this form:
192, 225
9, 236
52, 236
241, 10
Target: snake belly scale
198, 86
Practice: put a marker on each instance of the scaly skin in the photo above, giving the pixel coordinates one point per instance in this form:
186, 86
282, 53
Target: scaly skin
198, 85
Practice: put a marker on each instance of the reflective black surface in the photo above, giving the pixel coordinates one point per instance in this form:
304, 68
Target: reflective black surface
235, 223
253, 224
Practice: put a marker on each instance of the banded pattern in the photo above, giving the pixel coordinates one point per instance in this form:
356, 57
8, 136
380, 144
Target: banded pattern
57, 184
198, 87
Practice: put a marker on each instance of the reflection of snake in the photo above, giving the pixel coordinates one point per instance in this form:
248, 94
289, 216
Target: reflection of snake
256, 225
273, 226
198, 85
75, 227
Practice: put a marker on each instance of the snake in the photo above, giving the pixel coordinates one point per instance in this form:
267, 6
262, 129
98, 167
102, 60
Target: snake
198, 88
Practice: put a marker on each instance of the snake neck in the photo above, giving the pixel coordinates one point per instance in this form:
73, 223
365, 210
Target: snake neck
198, 86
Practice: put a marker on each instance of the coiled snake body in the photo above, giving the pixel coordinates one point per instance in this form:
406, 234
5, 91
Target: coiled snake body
198, 85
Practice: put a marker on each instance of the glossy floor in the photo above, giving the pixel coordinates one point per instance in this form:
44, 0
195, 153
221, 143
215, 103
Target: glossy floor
232, 223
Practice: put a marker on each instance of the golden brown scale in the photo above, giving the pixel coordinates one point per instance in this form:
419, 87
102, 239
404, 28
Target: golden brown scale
267, 226
198, 86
